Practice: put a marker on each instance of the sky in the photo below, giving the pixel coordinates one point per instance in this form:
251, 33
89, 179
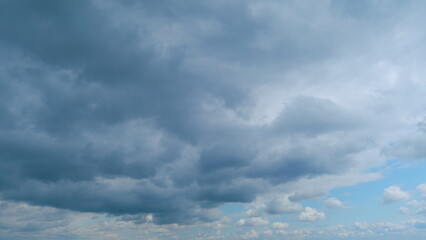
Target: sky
242, 119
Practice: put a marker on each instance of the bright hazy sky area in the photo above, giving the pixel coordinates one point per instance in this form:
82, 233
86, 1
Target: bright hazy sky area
196, 119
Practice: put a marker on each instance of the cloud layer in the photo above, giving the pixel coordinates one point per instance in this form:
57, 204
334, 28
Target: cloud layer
168, 110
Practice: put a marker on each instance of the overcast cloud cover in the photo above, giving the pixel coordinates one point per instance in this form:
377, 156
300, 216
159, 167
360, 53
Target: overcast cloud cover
221, 119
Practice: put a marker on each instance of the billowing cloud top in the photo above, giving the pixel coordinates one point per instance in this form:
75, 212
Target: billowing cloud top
165, 110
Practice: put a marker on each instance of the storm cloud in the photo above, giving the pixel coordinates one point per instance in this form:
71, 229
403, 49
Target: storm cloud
172, 108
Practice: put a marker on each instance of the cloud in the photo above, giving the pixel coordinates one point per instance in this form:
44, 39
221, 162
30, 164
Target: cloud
359, 230
149, 218
250, 234
422, 189
394, 194
419, 206
333, 203
408, 147
137, 124
280, 225
317, 187
309, 115
281, 204
170, 109
252, 222
311, 215
20, 217
404, 210
272, 204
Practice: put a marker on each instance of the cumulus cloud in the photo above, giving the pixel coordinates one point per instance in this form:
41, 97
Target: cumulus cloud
281, 205
419, 206
274, 204
413, 203
310, 215
252, 222
333, 203
394, 194
132, 126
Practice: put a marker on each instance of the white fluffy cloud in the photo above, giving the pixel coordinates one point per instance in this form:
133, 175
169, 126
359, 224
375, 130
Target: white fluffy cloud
310, 215
273, 204
394, 194
418, 206
333, 203
252, 222
281, 204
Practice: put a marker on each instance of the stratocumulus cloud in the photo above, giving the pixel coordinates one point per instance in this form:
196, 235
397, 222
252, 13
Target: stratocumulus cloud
161, 112
103, 116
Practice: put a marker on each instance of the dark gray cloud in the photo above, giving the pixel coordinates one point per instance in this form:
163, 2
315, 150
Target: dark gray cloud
409, 146
313, 116
140, 107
